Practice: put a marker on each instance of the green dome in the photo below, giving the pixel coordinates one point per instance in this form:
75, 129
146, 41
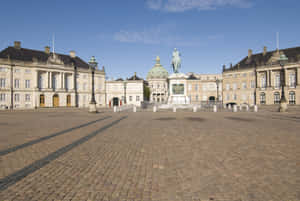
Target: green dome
157, 71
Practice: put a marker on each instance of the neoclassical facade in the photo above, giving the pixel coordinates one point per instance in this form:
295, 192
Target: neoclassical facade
129, 91
256, 79
157, 79
32, 78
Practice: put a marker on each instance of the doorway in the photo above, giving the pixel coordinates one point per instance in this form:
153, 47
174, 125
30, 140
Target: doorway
115, 101
55, 100
68, 100
42, 100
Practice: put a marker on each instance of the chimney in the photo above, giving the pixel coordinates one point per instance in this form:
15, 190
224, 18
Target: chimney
17, 44
72, 54
47, 50
249, 53
265, 51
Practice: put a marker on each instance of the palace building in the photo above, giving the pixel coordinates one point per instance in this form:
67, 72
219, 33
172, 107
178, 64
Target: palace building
257, 78
32, 78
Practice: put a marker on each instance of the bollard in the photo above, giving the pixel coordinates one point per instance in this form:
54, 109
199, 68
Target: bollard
247, 108
255, 108
174, 109
154, 109
235, 108
225, 107
134, 108
215, 108
195, 109
115, 108
229, 107
241, 108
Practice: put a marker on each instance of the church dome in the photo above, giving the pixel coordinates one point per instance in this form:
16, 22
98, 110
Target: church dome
158, 71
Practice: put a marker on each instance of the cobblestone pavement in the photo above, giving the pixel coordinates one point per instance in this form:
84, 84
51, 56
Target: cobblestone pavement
147, 156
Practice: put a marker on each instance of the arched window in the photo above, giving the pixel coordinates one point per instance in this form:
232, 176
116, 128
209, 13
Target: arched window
292, 97
262, 98
276, 98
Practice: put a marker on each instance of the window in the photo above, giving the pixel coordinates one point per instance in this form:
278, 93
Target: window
137, 98
130, 98
292, 80
122, 98
27, 84
196, 87
252, 74
276, 98
17, 83
277, 81
197, 98
27, 71
17, 70
2, 97
263, 82
27, 97
235, 75
244, 85
292, 97
2, 83
54, 82
17, 97
190, 87
234, 96
252, 83
262, 98
227, 96
41, 82
2, 69
227, 87
234, 86
244, 74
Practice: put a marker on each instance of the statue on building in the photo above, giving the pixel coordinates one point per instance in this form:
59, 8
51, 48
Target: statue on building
176, 61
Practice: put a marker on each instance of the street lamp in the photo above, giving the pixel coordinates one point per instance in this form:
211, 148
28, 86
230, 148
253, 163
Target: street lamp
92, 65
283, 103
217, 82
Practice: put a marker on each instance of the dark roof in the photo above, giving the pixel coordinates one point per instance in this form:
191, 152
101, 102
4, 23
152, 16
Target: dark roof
192, 77
119, 79
23, 54
135, 77
293, 55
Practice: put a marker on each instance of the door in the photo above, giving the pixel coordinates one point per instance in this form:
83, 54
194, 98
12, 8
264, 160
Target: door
68, 100
115, 101
42, 100
55, 100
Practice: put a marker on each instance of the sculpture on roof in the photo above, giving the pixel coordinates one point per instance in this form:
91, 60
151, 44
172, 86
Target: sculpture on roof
176, 61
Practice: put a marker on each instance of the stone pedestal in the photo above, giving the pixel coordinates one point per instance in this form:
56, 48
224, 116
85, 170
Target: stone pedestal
178, 89
283, 106
92, 108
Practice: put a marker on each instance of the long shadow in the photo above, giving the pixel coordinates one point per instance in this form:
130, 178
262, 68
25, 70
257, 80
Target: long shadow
18, 175
21, 146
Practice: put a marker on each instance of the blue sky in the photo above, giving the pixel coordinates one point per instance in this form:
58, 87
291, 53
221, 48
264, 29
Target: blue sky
127, 35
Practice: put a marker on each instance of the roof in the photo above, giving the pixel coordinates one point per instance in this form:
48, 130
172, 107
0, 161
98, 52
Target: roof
262, 59
135, 77
158, 71
192, 77
23, 54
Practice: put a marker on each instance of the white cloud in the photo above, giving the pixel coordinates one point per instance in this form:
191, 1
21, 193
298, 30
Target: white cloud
184, 5
163, 34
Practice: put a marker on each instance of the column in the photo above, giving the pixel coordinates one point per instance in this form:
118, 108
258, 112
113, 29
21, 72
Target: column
50, 79
61, 80
35, 83
286, 74
297, 76
268, 78
73, 81
270, 74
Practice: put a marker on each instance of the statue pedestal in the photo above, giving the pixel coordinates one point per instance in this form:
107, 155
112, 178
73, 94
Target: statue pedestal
178, 100
92, 108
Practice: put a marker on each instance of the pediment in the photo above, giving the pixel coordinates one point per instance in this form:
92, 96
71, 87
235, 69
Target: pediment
55, 59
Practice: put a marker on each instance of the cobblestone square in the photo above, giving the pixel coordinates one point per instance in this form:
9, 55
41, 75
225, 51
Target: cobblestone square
69, 154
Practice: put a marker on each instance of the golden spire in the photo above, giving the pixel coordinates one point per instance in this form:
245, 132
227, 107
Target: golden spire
157, 60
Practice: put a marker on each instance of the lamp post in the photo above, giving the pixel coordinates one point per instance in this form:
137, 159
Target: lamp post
92, 65
217, 82
283, 103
